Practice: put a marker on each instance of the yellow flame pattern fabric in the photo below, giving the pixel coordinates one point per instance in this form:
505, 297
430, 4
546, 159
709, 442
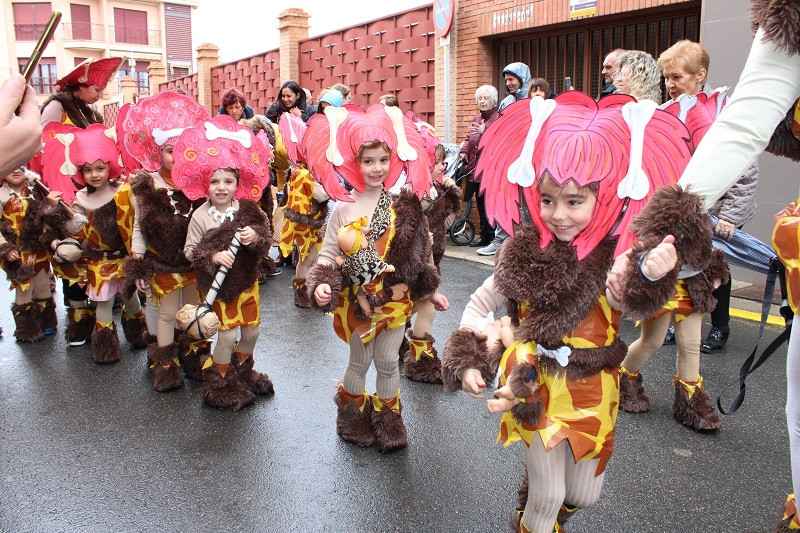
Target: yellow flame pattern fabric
301, 189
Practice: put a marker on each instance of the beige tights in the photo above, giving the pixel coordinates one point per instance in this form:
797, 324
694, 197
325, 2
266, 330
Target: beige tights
687, 337
423, 322
39, 289
384, 351
168, 307
226, 340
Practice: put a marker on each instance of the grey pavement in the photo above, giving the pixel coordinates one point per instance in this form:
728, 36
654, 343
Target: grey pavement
92, 448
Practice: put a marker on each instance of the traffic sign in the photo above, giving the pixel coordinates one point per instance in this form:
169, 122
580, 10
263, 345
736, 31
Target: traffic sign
443, 13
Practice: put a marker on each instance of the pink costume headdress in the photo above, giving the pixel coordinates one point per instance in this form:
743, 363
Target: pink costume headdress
156, 121
627, 148
293, 130
69, 148
430, 138
92, 71
698, 112
220, 143
333, 140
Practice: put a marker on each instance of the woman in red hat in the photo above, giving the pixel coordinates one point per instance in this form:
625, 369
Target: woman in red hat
78, 91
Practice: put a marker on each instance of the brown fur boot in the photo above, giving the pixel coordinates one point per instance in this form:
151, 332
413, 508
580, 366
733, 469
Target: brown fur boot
354, 418
421, 361
390, 432
47, 315
192, 352
222, 389
564, 514
26, 318
696, 412
790, 521
255, 381
105, 343
301, 298
522, 500
632, 398
164, 367
135, 329
80, 326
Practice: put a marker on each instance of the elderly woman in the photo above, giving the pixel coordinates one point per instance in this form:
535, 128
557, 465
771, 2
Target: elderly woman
638, 76
291, 99
78, 91
235, 105
486, 98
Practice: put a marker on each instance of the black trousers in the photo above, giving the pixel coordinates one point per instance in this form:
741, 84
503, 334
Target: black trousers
487, 231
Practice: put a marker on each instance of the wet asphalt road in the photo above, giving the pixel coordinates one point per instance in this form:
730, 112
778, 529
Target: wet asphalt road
92, 448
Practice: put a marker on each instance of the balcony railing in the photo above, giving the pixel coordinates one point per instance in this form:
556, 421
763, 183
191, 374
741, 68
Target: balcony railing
83, 31
122, 34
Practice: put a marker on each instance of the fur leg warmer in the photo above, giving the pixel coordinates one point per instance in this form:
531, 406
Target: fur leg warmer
301, 298
164, 367
81, 324
515, 522
222, 388
26, 319
387, 421
421, 362
354, 418
632, 398
135, 329
324, 273
255, 381
191, 353
105, 343
692, 406
47, 315
790, 521
467, 349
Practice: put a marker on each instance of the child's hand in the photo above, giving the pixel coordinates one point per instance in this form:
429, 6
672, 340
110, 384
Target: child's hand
472, 383
322, 294
613, 284
142, 284
717, 283
503, 400
12, 255
660, 260
224, 258
448, 182
248, 236
53, 197
54, 244
439, 301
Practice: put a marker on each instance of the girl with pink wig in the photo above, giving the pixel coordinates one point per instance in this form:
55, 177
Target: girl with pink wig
369, 150
583, 169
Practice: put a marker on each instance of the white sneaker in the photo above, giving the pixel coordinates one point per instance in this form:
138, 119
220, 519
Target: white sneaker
491, 249
79, 342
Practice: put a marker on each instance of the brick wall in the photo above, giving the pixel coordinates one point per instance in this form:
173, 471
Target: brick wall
258, 77
110, 112
187, 84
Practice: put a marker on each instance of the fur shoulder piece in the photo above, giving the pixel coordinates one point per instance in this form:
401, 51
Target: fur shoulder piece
467, 349
560, 289
780, 20
783, 143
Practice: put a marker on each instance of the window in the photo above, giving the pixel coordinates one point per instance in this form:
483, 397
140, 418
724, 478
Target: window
130, 26
179, 72
30, 20
81, 21
79, 60
140, 74
44, 77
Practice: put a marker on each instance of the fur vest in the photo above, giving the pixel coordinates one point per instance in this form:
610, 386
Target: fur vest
246, 268
76, 109
447, 203
32, 227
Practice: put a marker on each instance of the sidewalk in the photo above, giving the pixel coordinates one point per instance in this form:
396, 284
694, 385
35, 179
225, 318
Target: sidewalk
747, 308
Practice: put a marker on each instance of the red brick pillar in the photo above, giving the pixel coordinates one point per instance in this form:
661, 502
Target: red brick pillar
207, 57
293, 25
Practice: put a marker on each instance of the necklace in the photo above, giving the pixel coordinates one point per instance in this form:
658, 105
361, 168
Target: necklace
219, 216
174, 204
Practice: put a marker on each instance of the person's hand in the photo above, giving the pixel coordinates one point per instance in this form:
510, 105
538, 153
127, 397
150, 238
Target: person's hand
448, 182
224, 258
472, 383
296, 112
54, 244
724, 229
613, 280
322, 294
463, 156
12, 255
477, 128
439, 301
20, 132
248, 236
142, 284
53, 197
660, 260
503, 400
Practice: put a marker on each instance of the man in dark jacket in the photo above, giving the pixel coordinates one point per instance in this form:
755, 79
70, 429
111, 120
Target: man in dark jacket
609, 71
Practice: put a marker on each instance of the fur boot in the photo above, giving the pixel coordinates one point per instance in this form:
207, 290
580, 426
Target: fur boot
696, 412
164, 367
301, 298
105, 343
191, 353
81, 325
354, 418
387, 421
26, 319
222, 388
632, 398
47, 315
421, 362
255, 381
515, 522
564, 514
135, 329
790, 521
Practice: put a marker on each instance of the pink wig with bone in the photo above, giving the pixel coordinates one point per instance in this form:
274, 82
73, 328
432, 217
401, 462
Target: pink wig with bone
575, 138
351, 127
293, 129
698, 112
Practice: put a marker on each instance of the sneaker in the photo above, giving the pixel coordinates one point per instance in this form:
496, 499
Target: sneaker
77, 342
276, 273
669, 338
49, 331
716, 340
491, 249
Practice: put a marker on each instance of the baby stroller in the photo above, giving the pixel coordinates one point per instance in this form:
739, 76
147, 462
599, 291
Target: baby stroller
462, 230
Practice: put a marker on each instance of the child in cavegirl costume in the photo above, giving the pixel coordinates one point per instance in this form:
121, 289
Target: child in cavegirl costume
305, 211
157, 264
25, 258
584, 169
227, 164
369, 150
102, 218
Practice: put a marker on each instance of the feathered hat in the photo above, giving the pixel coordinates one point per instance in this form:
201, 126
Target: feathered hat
92, 71
220, 143
627, 148
156, 121
333, 140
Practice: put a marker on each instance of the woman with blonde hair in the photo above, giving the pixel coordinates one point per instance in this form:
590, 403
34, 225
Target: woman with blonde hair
638, 76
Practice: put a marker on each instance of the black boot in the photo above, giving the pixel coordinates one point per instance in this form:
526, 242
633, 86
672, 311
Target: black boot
716, 340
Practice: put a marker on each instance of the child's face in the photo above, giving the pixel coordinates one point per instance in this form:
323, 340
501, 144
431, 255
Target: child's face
96, 174
438, 169
16, 178
567, 210
374, 167
166, 157
222, 187
537, 91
